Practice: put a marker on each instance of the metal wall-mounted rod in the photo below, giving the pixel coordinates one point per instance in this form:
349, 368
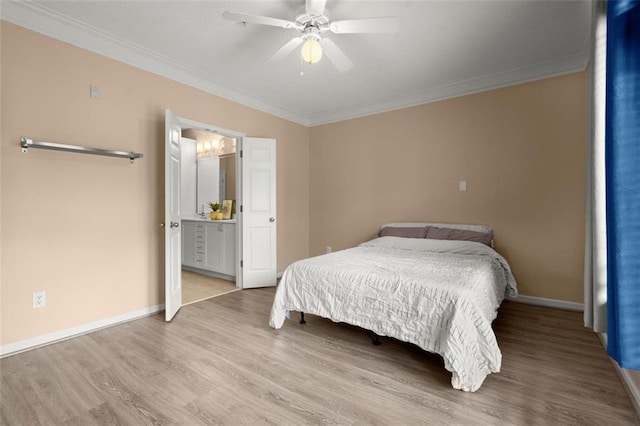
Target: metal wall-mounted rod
27, 143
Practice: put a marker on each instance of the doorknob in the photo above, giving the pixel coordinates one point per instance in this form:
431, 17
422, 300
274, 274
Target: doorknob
174, 224
272, 219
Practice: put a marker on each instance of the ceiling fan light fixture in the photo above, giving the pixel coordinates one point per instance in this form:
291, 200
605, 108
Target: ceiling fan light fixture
311, 50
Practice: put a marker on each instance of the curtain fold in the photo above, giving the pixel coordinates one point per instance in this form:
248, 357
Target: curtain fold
622, 150
595, 264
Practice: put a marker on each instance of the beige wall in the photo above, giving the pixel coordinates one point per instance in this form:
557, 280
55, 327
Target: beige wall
84, 228
521, 150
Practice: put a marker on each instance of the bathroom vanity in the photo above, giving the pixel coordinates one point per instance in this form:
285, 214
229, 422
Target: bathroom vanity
209, 246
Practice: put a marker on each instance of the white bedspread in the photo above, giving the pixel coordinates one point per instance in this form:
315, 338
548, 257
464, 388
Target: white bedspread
439, 295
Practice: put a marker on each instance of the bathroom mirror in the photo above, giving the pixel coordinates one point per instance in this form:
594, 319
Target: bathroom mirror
208, 170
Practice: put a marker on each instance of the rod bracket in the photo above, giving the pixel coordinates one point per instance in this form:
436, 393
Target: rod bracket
24, 143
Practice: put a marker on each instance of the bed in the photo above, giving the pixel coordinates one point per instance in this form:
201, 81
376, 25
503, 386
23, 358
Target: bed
430, 289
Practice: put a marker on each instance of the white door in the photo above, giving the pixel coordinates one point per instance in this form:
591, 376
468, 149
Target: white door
258, 214
172, 240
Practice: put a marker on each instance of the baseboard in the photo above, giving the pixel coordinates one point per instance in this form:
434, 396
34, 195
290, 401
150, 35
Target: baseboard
549, 303
56, 336
633, 388
279, 275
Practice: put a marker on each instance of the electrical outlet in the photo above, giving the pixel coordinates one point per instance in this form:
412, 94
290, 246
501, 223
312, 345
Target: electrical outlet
328, 249
39, 299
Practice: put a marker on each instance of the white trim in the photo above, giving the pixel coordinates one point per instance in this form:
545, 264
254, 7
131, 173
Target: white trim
633, 388
41, 19
603, 339
549, 303
56, 336
567, 65
192, 124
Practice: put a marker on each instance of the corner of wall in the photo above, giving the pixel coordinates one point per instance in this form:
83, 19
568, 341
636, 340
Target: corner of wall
309, 187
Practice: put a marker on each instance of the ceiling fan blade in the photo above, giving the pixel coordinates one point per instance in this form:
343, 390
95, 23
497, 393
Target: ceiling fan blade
315, 7
285, 50
257, 19
335, 55
387, 25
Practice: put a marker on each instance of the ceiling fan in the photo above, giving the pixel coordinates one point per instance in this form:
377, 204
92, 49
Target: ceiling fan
311, 25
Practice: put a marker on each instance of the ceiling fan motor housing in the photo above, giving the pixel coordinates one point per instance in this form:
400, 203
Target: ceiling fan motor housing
311, 33
305, 20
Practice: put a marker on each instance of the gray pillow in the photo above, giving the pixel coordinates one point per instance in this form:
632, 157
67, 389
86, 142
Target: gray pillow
408, 232
436, 233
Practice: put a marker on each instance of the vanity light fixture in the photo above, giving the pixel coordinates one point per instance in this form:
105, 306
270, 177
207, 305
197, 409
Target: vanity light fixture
209, 148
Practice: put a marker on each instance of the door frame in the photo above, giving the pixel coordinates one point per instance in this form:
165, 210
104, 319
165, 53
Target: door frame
186, 123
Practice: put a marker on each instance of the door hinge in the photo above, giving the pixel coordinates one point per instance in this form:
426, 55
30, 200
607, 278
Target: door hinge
241, 263
240, 153
240, 208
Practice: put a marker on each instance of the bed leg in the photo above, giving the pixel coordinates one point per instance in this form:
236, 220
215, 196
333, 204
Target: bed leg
375, 339
302, 321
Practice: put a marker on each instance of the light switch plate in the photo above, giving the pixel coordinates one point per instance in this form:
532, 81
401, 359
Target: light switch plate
462, 186
95, 91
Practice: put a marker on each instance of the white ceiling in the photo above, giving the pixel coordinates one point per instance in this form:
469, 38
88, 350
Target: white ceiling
443, 48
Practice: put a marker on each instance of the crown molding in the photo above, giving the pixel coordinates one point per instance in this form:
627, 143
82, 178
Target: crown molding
43, 20
539, 71
40, 19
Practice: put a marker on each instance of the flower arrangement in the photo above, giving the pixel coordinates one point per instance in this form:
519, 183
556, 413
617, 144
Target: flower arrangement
215, 214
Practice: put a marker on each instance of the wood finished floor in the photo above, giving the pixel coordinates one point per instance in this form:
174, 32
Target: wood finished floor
218, 362
197, 287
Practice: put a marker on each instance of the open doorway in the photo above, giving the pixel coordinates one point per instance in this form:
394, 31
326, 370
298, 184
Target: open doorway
208, 163
243, 248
